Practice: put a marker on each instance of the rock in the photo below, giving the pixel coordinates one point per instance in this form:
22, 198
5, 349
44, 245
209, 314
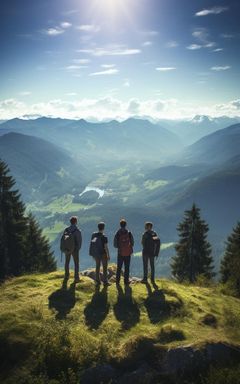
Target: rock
100, 374
183, 361
142, 375
92, 275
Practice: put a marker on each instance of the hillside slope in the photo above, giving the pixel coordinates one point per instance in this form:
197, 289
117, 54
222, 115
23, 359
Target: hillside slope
50, 331
40, 168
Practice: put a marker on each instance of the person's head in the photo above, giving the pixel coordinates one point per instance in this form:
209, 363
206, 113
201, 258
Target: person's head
73, 220
123, 223
148, 226
101, 226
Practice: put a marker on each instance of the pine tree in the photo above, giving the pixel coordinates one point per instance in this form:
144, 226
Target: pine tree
38, 253
193, 250
12, 225
230, 265
23, 248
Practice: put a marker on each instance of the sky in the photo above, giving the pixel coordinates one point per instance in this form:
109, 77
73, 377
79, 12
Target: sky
112, 59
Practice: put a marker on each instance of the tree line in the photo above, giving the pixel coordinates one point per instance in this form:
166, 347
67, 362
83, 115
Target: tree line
24, 249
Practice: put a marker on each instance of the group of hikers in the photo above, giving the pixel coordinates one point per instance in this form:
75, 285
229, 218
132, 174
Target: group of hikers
71, 242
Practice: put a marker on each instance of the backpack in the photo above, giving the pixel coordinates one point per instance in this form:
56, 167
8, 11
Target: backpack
67, 244
96, 248
124, 244
152, 244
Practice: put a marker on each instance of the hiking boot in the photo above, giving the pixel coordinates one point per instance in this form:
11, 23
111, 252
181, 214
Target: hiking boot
77, 280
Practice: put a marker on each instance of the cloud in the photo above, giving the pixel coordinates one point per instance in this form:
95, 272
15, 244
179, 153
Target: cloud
81, 61
227, 36
65, 24
53, 31
221, 68
165, 69
212, 11
88, 28
149, 33
75, 67
111, 71
218, 50
115, 50
108, 65
112, 108
147, 43
172, 44
194, 47
71, 94
126, 83
203, 39
25, 93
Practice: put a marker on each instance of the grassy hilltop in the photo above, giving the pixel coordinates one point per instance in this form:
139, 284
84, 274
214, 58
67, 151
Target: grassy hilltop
50, 333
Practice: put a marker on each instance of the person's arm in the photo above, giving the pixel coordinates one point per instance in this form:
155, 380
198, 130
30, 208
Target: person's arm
78, 238
115, 241
105, 245
143, 240
131, 239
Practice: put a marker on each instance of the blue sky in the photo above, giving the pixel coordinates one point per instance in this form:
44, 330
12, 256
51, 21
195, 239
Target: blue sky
101, 59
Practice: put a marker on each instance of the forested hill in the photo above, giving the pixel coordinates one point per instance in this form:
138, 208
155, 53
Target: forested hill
56, 333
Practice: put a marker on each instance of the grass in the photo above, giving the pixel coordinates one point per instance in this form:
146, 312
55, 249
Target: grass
154, 184
61, 204
49, 331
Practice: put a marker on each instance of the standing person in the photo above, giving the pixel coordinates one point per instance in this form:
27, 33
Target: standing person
151, 249
99, 251
124, 242
71, 242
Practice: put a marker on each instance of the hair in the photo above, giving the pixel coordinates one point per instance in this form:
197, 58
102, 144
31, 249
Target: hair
123, 223
101, 226
148, 224
73, 220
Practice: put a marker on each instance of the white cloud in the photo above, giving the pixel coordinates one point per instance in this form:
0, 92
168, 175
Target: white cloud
75, 67
53, 31
114, 50
113, 108
81, 61
149, 33
212, 11
71, 94
126, 83
227, 35
147, 43
65, 24
165, 69
172, 44
25, 93
111, 71
218, 50
88, 28
194, 47
221, 68
108, 65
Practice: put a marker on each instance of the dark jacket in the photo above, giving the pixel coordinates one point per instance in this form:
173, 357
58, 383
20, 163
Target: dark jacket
77, 236
145, 236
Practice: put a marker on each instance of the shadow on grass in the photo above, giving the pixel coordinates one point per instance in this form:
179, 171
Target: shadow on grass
158, 308
97, 310
63, 300
126, 309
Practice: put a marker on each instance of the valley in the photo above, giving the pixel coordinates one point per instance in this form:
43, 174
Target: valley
134, 169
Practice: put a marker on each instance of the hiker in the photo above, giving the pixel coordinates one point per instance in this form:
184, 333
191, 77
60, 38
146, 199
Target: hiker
151, 248
124, 242
99, 251
71, 242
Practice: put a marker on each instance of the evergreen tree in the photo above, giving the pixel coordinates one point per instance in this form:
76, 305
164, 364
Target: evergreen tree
230, 265
19, 235
193, 250
38, 253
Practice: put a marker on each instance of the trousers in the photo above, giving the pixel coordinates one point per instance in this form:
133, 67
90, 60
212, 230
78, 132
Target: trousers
75, 256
